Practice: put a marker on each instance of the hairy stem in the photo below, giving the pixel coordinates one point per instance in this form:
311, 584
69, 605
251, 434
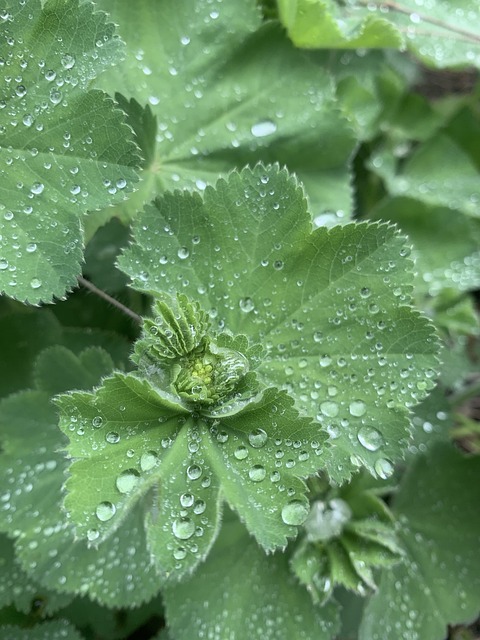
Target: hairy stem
102, 294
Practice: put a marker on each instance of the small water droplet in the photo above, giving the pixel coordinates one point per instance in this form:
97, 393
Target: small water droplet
186, 500
183, 528
241, 452
68, 61
37, 188
183, 253
97, 422
92, 534
35, 283
194, 471
329, 409
112, 437
295, 512
105, 511
31, 247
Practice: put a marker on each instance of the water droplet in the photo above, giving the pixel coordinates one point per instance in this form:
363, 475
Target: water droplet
35, 283
383, 468
257, 438
295, 512
183, 528
241, 453
370, 438
329, 409
194, 471
357, 408
148, 460
68, 61
263, 128
31, 247
199, 507
37, 188
257, 473
128, 480
112, 437
186, 500
105, 511
20, 90
92, 534
246, 305
97, 422
183, 253
179, 553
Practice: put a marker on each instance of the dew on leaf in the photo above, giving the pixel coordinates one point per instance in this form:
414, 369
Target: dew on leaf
148, 460
329, 409
68, 61
257, 473
246, 305
263, 128
241, 452
187, 499
383, 468
31, 247
97, 422
257, 438
37, 188
179, 553
194, 471
105, 511
199, 507
127, 480
295, 512
112, 437
183, 528
357, 408
370, 438
183, 253
35, 283
92, 534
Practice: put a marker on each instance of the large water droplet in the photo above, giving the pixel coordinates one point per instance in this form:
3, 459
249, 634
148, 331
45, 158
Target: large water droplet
105, 511
370, 438
240, 452
329, 409
257, 438
187, 499
148, 460
112, 437
295, 512
128, 480
383, 468
194, 471
68, 61
183, 253
357, 408
257, 473
246, 305
263, 128
183, 528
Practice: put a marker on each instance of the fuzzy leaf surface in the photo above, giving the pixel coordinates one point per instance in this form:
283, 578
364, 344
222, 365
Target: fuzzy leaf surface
223, 600
139, 446
331, 306
117, 574
63, 150
227, 91
438, 525
52, 630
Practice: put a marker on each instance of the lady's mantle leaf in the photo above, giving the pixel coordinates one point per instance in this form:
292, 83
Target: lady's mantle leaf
227, 91
52, 630
241, 593
324, 24
439, 525
133, 444
331, 307
33, 471
63, 150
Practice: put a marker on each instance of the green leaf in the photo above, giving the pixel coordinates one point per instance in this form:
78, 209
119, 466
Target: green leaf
227, 91
324, 24
440, 33
52, 630
133, 444
446, 241
437, 173
118, 574
19, 589
241, 593
331, 306
438, 524
64, 150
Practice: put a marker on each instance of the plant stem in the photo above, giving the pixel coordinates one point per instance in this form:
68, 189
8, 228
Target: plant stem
102, 294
